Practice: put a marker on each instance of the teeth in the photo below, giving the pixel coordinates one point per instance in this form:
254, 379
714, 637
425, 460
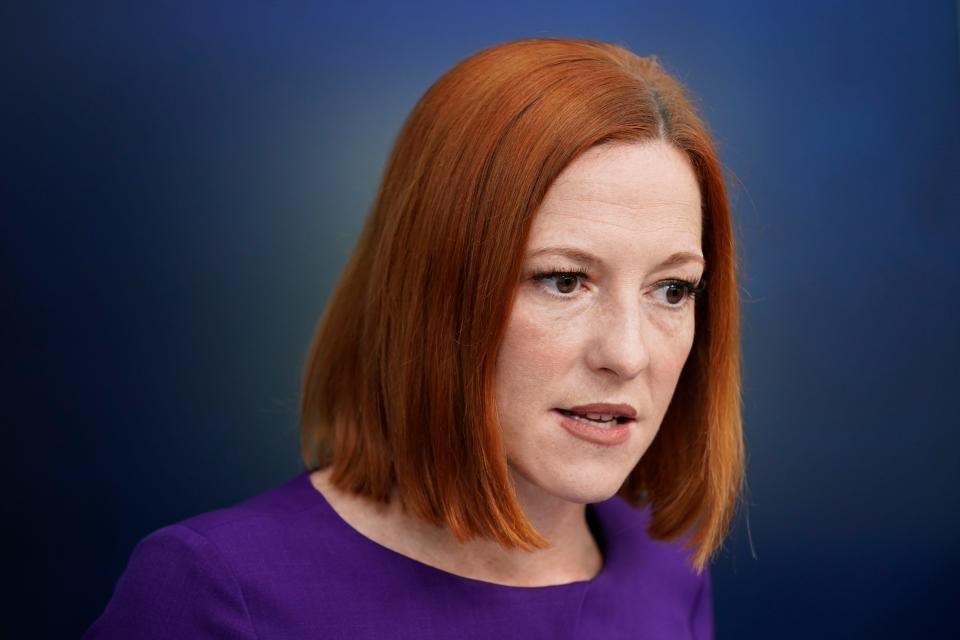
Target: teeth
599, 416
587, 419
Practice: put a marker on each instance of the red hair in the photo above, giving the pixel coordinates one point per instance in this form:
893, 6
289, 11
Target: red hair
398, 383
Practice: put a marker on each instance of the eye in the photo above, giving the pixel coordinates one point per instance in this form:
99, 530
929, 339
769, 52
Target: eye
560, 283
675, 292
678, 292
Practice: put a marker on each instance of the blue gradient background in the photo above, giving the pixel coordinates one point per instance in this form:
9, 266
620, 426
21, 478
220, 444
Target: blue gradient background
182, 184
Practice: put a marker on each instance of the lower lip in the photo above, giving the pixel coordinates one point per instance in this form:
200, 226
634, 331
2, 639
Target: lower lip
617, 434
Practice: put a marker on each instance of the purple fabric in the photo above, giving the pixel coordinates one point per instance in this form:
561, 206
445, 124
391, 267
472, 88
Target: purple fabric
284, 564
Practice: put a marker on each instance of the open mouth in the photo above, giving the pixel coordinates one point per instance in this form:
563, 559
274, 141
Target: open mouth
597, 419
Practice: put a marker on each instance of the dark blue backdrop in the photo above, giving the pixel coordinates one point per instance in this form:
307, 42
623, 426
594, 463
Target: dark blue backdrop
182, 183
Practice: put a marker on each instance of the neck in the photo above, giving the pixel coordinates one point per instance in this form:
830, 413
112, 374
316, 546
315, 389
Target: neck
572, 556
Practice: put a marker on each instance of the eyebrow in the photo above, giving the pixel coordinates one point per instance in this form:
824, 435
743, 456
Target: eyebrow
680, 257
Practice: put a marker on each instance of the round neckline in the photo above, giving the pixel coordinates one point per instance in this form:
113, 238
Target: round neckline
592, 521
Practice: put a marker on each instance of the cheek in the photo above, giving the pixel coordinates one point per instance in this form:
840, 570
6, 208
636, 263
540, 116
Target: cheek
672, 350
679, 343
532, 361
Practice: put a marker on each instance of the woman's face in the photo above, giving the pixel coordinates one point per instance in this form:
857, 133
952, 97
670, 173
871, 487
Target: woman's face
601, 316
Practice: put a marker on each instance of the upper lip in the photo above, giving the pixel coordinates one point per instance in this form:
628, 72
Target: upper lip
619, 410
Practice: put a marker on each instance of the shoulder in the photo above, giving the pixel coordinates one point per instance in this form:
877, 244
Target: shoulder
668, 597
204, 574
260, 521
659, 568
176, 584
286, 534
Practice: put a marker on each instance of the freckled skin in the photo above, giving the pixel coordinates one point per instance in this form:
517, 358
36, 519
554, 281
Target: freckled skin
615, 338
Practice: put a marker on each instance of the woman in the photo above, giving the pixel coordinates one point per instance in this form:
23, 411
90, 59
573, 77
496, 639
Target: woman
521, 407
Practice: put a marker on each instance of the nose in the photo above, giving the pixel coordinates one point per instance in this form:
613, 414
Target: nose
618, 342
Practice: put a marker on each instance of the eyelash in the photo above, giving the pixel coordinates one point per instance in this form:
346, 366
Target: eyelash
693, 289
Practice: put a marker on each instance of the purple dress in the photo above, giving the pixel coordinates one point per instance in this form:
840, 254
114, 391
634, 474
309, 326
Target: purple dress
284, 564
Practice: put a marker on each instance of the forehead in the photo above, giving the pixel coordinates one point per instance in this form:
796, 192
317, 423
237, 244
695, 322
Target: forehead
638, 193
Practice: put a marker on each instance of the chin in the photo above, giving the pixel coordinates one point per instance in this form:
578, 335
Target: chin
582, 486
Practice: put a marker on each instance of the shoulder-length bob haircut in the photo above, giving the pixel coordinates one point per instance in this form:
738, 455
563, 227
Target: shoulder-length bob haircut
398, 389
